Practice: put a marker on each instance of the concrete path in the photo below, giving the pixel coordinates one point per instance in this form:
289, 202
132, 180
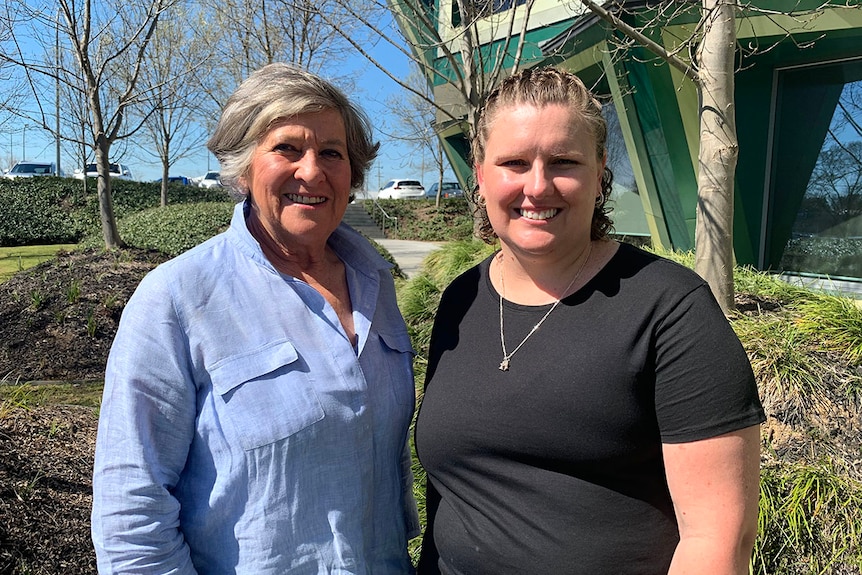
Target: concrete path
409, 253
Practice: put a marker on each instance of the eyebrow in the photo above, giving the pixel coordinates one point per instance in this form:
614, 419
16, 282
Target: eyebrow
334, 142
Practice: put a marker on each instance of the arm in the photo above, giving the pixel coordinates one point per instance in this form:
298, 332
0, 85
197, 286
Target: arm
714, 485
145, 429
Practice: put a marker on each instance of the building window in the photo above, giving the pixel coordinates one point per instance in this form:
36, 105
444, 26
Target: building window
817, 176
482, 8
627, 210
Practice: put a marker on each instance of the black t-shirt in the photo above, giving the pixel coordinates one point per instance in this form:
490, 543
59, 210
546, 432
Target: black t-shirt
555, 466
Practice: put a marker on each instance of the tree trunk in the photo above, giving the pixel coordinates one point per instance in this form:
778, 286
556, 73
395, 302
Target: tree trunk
106, 204
719, 150
164, 186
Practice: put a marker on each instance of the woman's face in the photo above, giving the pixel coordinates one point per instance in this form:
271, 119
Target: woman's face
540, 178
299, 179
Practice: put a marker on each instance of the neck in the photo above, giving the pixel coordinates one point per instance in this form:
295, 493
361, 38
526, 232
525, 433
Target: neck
529, 282
294, 260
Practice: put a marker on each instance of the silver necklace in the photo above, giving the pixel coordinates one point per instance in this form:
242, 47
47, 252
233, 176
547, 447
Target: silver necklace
504, 365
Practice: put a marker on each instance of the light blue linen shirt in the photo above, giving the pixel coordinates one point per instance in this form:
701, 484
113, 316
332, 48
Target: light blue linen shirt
241, 432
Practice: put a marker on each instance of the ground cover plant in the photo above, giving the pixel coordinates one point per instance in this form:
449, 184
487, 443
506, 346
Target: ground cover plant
58, 318
422, 219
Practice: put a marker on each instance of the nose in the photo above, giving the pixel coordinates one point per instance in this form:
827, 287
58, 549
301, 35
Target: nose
308, 168
540, 182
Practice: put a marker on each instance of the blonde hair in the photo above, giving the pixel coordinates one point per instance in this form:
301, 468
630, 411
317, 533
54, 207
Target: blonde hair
540, 87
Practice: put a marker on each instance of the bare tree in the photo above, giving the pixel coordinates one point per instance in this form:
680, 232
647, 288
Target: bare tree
413, 123
424, 37
241, 36
107, 42
714, 44
173, 127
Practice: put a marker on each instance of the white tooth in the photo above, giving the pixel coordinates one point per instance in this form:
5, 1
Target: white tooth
305, 199
543, 215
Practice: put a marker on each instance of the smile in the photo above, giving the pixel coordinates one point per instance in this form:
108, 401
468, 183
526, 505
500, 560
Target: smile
540, 215
307, 200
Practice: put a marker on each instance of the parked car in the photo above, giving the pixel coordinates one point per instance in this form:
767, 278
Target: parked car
176, 180
26, 169
210, 180
401, 190
447, 190
121, 171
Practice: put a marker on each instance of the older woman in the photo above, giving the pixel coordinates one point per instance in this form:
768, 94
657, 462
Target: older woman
259, 390
610, 424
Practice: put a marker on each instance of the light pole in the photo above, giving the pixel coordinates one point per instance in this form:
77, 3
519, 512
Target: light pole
24, 142
57, 92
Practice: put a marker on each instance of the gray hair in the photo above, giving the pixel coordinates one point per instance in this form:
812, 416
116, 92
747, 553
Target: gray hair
278, 92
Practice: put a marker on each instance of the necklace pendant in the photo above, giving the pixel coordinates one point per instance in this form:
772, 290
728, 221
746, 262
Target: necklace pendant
504, 365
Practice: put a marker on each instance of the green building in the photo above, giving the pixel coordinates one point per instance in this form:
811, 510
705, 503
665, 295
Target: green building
798, 189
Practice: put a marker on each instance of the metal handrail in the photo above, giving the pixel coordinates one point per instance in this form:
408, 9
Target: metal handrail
386, 217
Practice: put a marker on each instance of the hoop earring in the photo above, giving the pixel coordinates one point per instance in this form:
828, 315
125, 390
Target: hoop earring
600, 199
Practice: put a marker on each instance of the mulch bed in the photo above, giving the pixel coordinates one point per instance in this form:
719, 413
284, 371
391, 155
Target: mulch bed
57, 322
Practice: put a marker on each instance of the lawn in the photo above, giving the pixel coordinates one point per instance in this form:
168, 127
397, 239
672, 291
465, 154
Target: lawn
15, 259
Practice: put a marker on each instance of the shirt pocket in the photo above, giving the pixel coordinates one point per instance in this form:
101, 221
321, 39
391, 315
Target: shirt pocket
398, 352
267, 394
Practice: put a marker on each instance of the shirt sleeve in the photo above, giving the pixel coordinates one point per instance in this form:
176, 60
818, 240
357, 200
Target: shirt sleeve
704, 382
145, 429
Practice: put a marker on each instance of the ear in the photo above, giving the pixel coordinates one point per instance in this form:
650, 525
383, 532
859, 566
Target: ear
602, 164
480, 176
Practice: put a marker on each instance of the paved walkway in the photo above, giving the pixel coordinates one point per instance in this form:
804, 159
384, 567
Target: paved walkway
409, 253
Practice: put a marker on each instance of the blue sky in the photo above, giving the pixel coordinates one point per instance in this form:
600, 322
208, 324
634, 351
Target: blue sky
394, 160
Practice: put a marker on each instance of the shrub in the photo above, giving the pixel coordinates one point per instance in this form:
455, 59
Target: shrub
422, 220
175, 228
805, 350
32, 211
60, 210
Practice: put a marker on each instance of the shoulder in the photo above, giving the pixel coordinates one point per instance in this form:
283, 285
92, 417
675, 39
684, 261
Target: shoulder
194, 272
645, 271
469, 281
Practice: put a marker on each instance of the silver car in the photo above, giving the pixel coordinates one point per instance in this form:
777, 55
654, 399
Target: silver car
30, 169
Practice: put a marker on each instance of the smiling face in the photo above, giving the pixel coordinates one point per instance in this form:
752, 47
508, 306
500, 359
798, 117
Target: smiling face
299, 180
540, 178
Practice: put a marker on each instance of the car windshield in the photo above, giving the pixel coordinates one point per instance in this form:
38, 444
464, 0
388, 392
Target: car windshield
112, 167
32, 169
409, 183
211, 176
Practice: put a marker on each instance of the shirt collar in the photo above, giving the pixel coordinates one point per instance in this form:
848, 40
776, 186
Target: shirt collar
354, 249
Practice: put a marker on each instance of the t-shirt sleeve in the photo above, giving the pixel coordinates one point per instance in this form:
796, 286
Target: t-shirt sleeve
704, 382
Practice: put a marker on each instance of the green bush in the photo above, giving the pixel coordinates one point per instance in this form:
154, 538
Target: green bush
175, 228
61, 210
422, 220
35, 211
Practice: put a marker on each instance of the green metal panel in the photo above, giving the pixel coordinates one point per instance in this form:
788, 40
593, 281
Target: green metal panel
666, 148
636, 147
753, 105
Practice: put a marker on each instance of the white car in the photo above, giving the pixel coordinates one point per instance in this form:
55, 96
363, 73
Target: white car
401, 190
210, 180
121, 171
30, 169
